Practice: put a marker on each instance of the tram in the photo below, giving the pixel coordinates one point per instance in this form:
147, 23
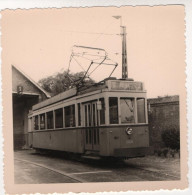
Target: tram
108, 119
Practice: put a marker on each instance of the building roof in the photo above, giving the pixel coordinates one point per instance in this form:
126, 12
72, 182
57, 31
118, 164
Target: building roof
32, 81
166, 99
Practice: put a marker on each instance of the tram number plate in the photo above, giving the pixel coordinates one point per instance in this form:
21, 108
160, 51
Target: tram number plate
129, 141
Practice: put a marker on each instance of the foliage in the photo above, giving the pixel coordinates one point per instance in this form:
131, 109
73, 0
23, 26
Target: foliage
61, 82
171, 138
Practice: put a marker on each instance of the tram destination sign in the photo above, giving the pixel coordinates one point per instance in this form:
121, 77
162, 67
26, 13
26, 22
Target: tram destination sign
126, 85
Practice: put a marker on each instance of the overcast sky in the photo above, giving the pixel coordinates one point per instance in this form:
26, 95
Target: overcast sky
40, 41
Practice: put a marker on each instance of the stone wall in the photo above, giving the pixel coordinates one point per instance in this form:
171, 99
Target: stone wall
163, 114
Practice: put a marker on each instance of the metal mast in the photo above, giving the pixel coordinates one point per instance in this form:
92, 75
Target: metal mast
124, 49
124, 53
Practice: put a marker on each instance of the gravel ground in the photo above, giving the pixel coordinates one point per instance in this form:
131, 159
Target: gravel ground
169, 166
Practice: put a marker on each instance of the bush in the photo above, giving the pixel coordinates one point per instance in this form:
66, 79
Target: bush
171, 138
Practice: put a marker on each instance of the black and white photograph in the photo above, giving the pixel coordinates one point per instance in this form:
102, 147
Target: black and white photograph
96, 95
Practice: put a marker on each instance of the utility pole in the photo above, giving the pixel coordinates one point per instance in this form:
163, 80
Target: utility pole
124, 53
124, 49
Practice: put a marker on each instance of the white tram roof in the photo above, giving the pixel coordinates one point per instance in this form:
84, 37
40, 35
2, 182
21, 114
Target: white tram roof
110, 84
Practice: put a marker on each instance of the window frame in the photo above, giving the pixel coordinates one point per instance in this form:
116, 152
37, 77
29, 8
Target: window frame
52, 111
118, 121
79, 117
134, 110
55, 118
37, 123
129, 96
145, 108
42, 114
104, 110
74, 115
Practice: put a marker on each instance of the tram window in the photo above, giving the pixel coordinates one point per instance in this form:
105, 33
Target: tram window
102, 111
70, 116
59, 118
86, 119
79, 114
127, 110
50, 120
36, 123
42, 121
113, 110
89, 114
141, 110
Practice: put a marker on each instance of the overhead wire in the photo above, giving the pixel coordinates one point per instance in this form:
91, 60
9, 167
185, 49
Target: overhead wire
90, 33
102, 33
78, 63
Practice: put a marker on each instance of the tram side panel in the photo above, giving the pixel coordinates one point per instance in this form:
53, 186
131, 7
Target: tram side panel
62, 140
30, 139
104, 141
116, 142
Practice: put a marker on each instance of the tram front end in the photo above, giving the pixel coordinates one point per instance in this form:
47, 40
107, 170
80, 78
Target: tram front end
127, 134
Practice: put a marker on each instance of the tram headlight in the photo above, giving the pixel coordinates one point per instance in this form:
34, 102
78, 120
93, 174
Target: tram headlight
129, 131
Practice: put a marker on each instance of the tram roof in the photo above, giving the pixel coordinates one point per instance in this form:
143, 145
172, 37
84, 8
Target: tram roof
110, 84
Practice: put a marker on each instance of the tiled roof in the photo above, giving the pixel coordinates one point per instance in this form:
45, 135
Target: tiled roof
166, 99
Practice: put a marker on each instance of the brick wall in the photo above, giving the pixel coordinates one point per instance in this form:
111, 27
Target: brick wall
163, 114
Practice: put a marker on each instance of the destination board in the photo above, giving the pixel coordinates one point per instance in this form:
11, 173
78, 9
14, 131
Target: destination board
127, 85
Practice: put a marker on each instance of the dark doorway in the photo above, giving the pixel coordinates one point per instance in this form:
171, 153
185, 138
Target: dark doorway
21, 106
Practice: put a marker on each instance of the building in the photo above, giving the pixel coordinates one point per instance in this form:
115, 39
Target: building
25, 93
163, 114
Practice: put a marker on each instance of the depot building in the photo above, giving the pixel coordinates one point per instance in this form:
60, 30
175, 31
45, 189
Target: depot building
25, 93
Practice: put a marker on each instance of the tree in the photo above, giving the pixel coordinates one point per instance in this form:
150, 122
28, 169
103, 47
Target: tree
62, 82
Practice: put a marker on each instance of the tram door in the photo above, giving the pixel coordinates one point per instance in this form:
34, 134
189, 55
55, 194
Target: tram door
91, 124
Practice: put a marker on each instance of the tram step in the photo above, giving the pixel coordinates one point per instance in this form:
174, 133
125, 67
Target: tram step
91, 157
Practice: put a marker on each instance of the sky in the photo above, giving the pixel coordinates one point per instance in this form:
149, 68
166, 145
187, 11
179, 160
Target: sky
40, 42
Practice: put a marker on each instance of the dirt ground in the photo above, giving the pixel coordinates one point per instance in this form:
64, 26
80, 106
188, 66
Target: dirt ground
170, 166
37, 168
